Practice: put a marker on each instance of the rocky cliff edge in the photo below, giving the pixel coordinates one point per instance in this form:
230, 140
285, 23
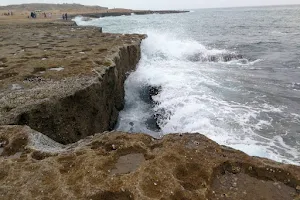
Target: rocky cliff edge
63, 80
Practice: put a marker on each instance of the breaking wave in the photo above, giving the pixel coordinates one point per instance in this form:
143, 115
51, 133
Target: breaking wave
178, 87
181, 85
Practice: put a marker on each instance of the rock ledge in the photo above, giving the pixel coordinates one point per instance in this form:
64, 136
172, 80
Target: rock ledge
62, 80
116, 165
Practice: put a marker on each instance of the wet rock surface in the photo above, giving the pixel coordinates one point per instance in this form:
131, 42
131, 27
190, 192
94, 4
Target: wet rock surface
63, 80
116, 165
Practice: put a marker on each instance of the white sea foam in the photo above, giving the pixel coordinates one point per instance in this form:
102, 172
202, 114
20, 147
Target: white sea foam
80, 21
242, 62
190, 100
195, 96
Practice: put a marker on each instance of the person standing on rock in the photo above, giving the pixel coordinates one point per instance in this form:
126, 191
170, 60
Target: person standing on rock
66, 16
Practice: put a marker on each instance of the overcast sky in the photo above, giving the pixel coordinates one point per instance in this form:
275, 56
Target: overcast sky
161, 4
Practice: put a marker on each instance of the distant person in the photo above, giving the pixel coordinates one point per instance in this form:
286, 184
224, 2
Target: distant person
63, 16
66, 16
45, 16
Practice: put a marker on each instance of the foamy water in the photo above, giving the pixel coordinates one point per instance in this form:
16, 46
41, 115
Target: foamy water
228, 94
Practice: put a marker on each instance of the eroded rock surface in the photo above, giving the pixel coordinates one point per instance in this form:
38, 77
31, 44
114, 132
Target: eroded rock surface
62, 80
116, 165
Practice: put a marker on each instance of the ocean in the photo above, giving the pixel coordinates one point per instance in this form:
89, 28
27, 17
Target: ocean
232, 74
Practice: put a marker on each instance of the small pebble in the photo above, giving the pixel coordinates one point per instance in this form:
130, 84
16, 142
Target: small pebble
16, 87
298, 188
2, 144
279, 187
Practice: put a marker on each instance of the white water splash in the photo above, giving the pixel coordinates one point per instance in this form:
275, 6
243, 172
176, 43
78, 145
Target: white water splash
203, 90
191, 100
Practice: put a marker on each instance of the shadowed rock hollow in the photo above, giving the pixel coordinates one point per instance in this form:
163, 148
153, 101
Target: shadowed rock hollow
116, 165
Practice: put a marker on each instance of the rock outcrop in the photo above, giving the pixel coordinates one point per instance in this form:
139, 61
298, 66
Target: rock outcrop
115, 165
64, 81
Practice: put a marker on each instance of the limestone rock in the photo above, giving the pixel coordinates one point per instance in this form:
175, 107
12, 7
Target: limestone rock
70, 80
189, 166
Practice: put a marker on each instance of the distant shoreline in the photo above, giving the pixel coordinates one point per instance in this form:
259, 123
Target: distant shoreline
115, 14
22, 11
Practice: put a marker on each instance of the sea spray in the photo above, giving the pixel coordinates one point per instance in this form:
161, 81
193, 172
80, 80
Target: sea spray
190, 99
214, 79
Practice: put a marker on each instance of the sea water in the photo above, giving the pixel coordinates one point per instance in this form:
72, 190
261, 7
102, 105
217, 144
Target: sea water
232, 74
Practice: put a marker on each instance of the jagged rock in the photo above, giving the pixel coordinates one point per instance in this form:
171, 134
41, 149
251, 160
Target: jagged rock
179, 166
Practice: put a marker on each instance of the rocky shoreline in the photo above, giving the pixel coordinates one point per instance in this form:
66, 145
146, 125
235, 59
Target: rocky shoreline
60, 85
115, 14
